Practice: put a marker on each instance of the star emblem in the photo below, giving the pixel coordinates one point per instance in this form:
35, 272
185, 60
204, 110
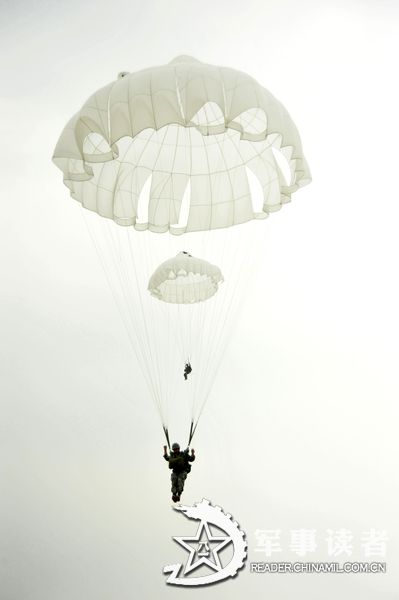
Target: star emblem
202, 549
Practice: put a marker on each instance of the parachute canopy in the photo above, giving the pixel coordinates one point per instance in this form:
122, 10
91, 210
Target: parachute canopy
185, 279
175, 147
183, 148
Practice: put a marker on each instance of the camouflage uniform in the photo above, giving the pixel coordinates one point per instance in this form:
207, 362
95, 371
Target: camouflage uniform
179, 463
178, 480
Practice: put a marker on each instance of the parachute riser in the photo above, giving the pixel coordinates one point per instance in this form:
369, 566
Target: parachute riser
190, 437
167, 436
192, 431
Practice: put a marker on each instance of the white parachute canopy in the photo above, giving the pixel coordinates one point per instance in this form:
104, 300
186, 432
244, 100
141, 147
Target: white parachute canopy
182, 148
181, 127
185, 279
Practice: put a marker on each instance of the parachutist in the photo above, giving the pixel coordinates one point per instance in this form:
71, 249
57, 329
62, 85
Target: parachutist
187, 370
179, 462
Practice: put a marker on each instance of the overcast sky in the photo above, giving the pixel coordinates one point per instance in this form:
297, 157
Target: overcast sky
301, 427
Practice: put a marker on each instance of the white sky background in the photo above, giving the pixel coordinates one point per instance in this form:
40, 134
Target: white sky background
301, 428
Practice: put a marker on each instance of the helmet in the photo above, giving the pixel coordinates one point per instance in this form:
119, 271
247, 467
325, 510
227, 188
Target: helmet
175, 446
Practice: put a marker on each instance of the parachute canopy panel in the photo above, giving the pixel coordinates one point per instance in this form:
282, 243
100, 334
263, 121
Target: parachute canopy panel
149, 137
185, 279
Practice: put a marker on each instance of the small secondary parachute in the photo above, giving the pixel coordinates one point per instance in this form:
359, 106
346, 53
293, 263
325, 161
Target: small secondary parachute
185, 279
